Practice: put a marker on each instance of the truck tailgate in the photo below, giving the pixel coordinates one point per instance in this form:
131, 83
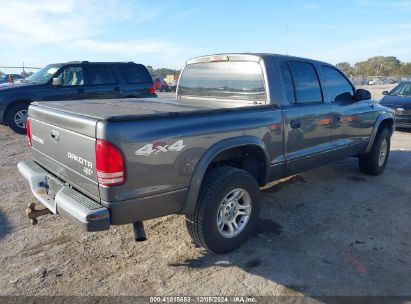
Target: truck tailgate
65, 145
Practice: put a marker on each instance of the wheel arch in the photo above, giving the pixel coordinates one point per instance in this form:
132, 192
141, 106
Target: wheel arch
13, 103
218, 154
384, 120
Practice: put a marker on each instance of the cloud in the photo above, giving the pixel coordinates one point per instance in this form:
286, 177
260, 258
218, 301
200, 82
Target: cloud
56, 21
77, 28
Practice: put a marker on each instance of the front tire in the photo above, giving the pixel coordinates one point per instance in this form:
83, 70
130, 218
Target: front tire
374, 163
16, 117
227, 210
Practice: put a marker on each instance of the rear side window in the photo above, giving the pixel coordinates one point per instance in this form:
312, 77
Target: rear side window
288, 82
306, 83
100, 75
235, 80
338, 87
135, 74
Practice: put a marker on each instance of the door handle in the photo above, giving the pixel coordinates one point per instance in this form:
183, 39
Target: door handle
55, 135
119, 90
337, 117
295, 124
80, 90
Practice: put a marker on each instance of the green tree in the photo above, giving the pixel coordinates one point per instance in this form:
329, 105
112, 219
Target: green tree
150, 69
346, 68
405, 69
378, 66
164, 71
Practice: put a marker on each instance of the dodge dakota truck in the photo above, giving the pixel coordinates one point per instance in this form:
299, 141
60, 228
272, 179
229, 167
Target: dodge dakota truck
237, 122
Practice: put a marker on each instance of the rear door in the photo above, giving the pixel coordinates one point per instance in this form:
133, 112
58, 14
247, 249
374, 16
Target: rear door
307, 118
101, 82
136, 80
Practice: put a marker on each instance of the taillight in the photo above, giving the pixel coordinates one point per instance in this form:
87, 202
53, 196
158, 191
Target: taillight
110, 167
153, 89
28, 131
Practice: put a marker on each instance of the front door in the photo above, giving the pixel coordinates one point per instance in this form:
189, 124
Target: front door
71, 88
351, 124
307, 118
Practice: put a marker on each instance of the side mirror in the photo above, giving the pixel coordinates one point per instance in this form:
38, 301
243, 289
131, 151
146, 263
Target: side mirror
384, 92
362, 94
57, 82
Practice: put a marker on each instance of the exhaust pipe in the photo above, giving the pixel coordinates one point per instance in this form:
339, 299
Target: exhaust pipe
139, 233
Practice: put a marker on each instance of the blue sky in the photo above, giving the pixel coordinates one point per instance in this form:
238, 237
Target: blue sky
165, 33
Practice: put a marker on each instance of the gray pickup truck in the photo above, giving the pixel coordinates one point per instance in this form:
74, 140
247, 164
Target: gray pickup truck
238, 122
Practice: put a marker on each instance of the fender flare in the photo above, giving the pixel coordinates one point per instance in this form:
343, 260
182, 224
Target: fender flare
380, 119
209, 155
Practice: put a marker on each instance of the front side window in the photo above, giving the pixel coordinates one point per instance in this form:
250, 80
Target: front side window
306, 83
231, 80
100, 75
338, 87
72, 76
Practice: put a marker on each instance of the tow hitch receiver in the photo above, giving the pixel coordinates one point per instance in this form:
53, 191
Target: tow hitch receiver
34, 213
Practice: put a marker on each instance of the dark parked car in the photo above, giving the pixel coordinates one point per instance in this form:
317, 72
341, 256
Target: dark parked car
5, 78
161, 85
237, 123
399, 99
73, 80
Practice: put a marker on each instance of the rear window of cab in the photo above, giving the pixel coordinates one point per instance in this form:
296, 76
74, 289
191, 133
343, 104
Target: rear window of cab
231, 80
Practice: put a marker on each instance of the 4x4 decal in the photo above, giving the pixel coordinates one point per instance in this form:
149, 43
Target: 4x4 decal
157, 148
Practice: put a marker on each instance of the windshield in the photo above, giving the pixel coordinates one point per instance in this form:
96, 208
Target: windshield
45, 74
231, 80
402, 89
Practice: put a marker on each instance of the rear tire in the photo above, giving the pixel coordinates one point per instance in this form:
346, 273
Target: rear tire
374, 163
227, 210
16, 117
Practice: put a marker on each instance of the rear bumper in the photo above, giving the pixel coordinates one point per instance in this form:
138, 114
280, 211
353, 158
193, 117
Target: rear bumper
64, 200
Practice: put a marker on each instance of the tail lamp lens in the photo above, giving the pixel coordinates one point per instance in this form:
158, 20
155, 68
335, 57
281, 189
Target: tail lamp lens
109, 164
28, 130
153, 89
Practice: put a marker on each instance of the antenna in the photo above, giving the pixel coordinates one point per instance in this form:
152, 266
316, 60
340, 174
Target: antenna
286, 26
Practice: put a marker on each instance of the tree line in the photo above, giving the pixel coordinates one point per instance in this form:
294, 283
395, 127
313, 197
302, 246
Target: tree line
377, 66
162, 72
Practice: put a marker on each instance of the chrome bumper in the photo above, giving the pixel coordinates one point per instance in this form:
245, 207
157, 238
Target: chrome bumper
64, 200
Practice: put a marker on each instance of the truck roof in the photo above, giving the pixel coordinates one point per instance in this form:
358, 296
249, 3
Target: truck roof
251, 56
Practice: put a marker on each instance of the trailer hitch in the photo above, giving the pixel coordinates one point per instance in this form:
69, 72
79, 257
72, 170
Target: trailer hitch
34, 213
